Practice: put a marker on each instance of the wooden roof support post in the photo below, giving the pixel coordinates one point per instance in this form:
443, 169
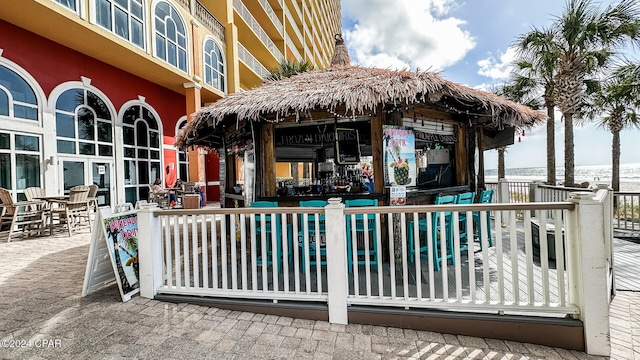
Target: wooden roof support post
462, 171
471, 155
480, 158
268, 165
376, 152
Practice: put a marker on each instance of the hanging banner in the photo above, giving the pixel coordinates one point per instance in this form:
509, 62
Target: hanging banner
398, 145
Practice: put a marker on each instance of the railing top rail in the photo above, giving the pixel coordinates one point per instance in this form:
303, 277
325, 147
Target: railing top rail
234, 211
374, 209
466, 207
626, 193
555, 187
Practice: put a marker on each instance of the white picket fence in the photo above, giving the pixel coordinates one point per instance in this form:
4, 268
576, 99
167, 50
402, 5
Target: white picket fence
626, 214
220, 253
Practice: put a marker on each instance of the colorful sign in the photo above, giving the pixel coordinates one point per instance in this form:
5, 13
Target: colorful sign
122, 239
398, 195
113, 252
398, 144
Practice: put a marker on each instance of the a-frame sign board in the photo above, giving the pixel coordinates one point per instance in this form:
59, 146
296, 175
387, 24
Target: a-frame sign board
113, 253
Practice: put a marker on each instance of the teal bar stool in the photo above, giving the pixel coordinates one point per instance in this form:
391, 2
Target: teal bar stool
268, 229
436, 226
361, 252
317, 234
486, 197
464, 198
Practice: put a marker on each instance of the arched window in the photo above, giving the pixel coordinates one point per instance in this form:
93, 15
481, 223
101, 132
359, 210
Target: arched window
83, 124
142, 147
213, 65
183, 157
124, 18
17, 98
170, 36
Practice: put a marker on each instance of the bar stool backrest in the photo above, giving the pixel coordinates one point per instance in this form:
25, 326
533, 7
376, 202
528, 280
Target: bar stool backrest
465, 198
486, 196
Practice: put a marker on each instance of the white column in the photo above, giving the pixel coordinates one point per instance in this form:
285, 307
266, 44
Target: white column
149, 250
336, 261
588, 268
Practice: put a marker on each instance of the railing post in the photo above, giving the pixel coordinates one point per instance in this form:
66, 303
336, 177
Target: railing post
504, 197
336, 261
534, 194
588, 269
149, 250
608, 232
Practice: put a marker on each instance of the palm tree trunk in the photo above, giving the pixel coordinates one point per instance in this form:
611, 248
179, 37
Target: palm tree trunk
569, 161
551, 146
615, 161
501, 172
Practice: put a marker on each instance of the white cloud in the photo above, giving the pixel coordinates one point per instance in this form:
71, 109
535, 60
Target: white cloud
497, 68
405, 34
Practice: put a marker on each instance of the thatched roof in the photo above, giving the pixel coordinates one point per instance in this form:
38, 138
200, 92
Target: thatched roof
355, 90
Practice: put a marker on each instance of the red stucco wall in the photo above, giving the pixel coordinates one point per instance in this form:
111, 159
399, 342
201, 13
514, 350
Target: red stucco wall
52, 64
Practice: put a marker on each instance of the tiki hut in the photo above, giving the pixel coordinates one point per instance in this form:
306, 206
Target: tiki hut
325, 132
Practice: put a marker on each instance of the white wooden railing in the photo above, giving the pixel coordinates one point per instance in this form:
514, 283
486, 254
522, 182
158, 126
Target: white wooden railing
627, 211
219, 253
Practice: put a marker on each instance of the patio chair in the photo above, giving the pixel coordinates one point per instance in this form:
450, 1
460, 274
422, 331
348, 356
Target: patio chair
267, 229
356, 225
74, 213
34, 193
438, 230
160, 198
91, 197
24, 218
486, 197
315, 235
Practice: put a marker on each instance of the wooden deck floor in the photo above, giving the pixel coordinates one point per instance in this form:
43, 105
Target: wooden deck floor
626, 252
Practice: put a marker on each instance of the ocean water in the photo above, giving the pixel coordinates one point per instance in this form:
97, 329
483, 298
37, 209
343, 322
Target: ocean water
593, 174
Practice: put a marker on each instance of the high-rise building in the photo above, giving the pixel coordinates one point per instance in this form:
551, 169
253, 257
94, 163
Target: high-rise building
94, 91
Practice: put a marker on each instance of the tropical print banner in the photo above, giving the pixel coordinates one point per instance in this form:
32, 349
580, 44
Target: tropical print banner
398, 145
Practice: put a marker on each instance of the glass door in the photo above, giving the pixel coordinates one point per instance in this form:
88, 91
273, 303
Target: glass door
86, 172
101, 176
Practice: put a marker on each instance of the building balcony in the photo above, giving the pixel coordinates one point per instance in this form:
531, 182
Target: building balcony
257, 29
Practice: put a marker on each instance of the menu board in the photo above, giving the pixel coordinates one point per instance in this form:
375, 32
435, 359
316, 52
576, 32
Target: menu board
347, 146
398, 145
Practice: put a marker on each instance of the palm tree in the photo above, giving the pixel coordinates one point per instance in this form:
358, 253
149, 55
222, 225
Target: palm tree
288, 68
533, 79
617, 99
501, 171
587, 39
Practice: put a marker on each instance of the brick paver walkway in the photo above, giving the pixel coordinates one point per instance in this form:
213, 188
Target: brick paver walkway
40, 304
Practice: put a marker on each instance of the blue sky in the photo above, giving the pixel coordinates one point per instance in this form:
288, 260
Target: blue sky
468, 42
